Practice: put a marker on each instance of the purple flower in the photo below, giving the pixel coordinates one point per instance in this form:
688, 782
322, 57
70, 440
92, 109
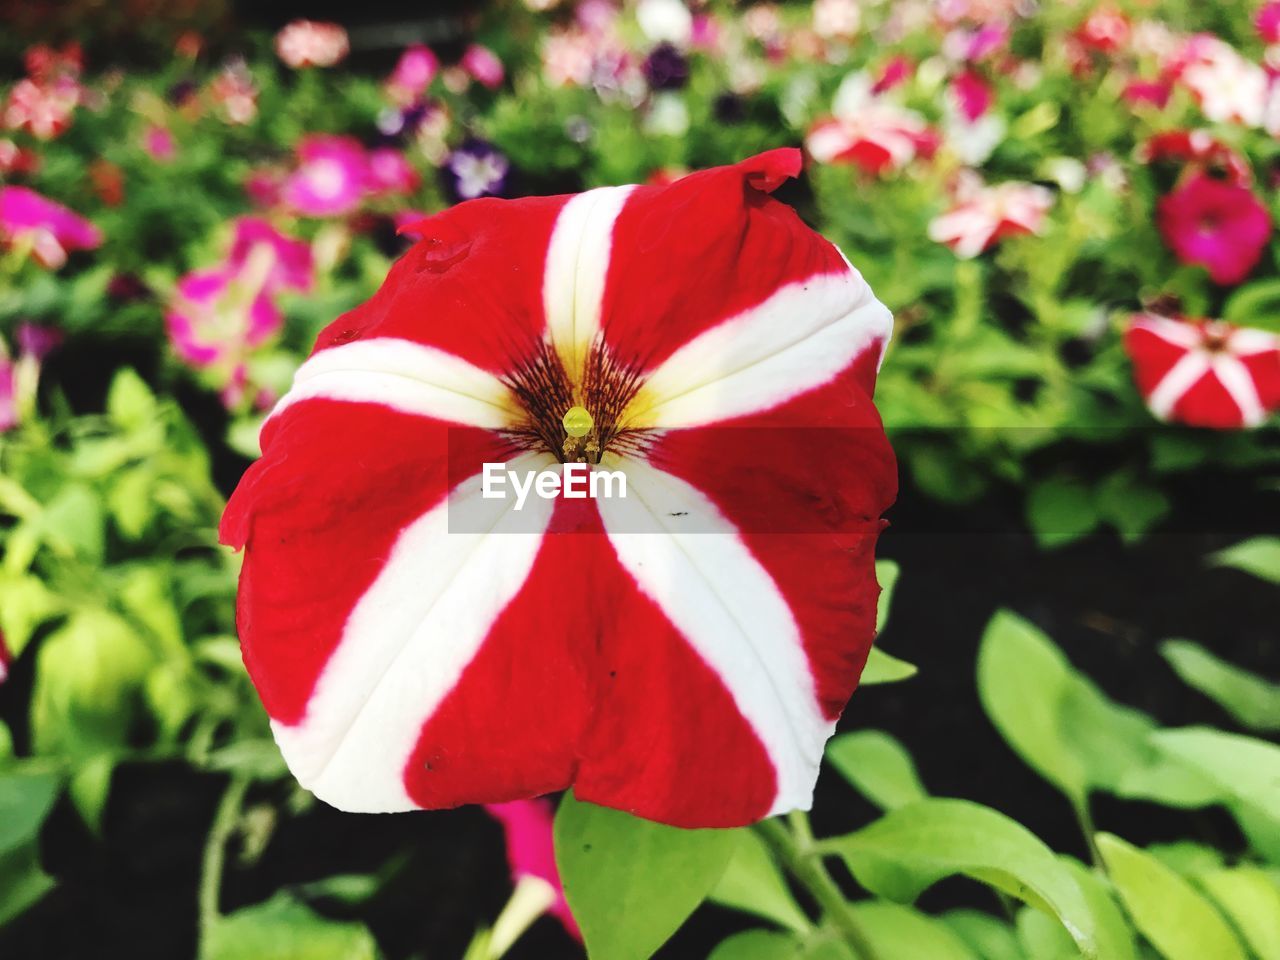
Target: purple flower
37, 341
476, 169
666, 68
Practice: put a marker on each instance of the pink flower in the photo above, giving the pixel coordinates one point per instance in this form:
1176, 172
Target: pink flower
16, 160
1105, 30
50, 228
1219, 226
971, 94
985, 215
330, 177
1229, 88
307, 43
530, 851
216, 315
235, 92
898, 70
871, 132
43, 110
159, 143
5, 658
8, 420
287, 261
974, 45
1267, 21
836, 19
483, 65
19, 380
413, 73
391, 173
1155, 93
1205, 373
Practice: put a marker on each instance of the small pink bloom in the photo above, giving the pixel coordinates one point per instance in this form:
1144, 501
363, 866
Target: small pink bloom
1229, 88
37, 340
1267, 21
307, 43
159, 143
43, 110
530, 850
330, 177
234, 91
971, 94
288, 261
264, 186
44, 63
1196, 148
216, 315
897, 71
391, 173
50, 228
483, 66
1220, 226
8, 420
1155, 93
1205, 373
1105, 30
973, 45
836, 19
985, 215
413, 73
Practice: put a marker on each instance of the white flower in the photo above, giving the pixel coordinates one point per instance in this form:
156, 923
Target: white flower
665, 20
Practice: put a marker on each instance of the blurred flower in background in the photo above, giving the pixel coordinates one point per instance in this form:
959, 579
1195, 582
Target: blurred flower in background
307, 43
475, 169
47, 230
983, 215
330, 177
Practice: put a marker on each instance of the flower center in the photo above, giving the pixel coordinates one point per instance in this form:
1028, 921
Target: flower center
574, 421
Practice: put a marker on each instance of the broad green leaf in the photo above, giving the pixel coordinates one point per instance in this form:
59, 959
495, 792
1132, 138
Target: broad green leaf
283, 929
27, 604
73, 522
987, 936
883, 668
1186, 856
1131, 506
631, 883
1179, 922
1259, 556
878, 767
896, 932
130, 402
1252, 900
1262, 831
1023, 680
752, 883
1255, 305
758, 945
1060, 510
89, 787
1244, 767
22, 880
911, 848
1114, 937
1253, 701
1043, 939
887, 575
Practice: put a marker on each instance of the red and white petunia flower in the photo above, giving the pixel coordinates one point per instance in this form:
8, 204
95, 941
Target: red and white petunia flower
44, 110
868, 130
1205, 373
1229, 88
682, 652
984, 215
308, 43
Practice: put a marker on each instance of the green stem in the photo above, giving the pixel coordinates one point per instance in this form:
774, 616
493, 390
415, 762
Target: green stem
1085, 819
802, 860
215, 853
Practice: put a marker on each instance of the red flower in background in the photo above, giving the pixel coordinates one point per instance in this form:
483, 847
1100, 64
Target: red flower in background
726, 356
984, 215
1205, 373
1220, 226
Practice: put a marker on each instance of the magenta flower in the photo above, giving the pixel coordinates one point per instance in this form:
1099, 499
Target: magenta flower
1217, 225
330, 177
5, 658
216, 315
287, 261
1267, 21
483, 66
413, 73
159, 143
391, 173
49, 228
531, 853
8, 420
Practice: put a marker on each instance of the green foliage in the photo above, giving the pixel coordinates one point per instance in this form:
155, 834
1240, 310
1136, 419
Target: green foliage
878, 767
631, 883
1253, 701
1259, 556
26, 796
283, 929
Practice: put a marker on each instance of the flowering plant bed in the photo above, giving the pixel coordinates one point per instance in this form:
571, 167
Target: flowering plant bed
686, 245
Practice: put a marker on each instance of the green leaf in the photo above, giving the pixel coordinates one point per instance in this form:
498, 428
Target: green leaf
757, 945
89, 787
1252, 900
27, 604
1244, 767
1259, 556
130, 402
989, 938
631, 883
878, 767
73, 522
887, 575
22, 880
1114, 937
283, 929
1178, 921
896, 932
1253, 701
1043, 939
883, 668
1061, 510
752, 883
1255, 305
1023, 680
27, 794
911, 848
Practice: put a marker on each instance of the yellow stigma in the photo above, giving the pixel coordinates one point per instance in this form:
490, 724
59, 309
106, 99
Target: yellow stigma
577, 422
